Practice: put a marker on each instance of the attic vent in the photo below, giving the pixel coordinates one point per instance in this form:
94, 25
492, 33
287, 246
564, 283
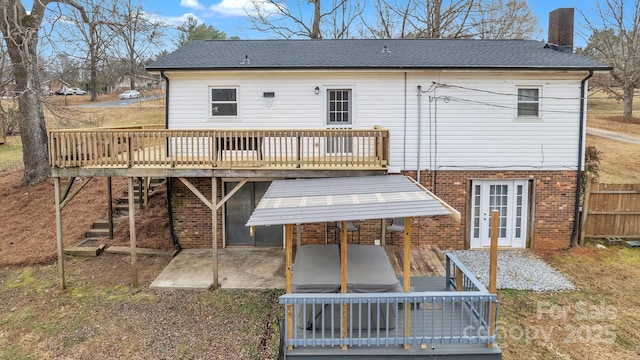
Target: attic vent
246, 60
385, 49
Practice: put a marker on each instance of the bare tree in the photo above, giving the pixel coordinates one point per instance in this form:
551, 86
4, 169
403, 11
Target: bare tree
615, 40
138, 34
477, 19
438, 19
288, 20
500, 19
389, 20
20, 32
89, 41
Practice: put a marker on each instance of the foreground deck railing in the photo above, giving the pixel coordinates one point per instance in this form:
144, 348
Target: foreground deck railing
325, 148
380, 319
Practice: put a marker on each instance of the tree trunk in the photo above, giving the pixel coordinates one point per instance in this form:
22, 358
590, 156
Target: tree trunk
317, 16
628, 100
22, 42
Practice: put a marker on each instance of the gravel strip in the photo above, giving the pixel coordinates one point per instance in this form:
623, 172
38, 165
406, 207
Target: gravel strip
517, 269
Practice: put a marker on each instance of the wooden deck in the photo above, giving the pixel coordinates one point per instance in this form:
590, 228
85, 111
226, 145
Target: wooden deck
426, 260
150, 151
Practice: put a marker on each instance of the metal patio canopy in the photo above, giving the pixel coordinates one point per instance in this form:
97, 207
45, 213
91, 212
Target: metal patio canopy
303, 201
306, 201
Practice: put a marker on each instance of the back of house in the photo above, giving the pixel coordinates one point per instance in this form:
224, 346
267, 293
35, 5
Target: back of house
483, 124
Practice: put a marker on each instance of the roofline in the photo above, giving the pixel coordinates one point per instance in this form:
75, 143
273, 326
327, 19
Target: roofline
488, 68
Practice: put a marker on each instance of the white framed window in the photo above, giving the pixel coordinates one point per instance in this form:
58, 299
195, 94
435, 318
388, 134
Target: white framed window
528, 104
339, 107
224, 101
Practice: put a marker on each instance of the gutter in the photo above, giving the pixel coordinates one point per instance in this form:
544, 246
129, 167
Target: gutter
583, 121
174, 239
419, 130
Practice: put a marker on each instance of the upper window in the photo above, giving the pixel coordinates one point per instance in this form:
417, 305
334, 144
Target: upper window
339, 107
528, 102
224, 101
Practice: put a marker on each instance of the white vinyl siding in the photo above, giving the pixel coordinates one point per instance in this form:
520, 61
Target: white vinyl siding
468, 124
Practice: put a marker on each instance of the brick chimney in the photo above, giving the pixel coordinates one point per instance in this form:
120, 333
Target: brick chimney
561, 29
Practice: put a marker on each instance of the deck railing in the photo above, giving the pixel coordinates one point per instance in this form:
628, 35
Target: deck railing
380, 319
459, 277
325, 148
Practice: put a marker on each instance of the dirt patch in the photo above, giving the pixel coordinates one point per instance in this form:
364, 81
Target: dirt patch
28, 234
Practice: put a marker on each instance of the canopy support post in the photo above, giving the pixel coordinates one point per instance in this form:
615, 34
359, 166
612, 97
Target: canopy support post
406, 276
214, 230
343, 279
288, 278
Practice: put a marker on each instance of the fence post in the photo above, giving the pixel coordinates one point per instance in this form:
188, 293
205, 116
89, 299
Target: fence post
493, 271
585, 208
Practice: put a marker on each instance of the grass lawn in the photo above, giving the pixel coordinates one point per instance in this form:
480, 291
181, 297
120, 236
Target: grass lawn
100, 316
598, 321
11, 154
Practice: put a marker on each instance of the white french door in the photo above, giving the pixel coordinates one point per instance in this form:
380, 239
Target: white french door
510, 199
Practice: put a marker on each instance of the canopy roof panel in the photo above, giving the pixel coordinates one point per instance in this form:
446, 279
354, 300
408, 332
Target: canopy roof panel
349, 198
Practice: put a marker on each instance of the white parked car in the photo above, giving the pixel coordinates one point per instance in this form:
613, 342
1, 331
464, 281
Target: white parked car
130, 94
77, 91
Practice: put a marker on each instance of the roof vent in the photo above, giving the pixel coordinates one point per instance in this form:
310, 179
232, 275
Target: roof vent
246, 60
385, 49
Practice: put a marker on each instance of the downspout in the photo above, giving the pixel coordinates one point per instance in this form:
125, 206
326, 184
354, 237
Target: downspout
174, 239
419, 130
583, 121
166, 102
404, 143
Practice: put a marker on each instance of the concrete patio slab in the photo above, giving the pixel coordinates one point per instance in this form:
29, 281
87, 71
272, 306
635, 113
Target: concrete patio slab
238, 268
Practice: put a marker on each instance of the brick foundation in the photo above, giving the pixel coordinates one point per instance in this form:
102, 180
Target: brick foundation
552, 212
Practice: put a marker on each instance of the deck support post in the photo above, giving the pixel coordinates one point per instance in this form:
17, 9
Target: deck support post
61, 280
214, 229
288, 278
110, 205
493, 271
132, 234
343, 279
406, 277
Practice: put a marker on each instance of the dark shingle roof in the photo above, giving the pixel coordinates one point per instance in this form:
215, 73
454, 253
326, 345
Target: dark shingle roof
369, 54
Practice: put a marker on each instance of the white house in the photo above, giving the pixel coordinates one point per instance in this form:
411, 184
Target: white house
489, 124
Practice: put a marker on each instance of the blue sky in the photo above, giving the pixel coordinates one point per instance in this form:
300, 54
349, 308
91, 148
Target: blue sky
230, 15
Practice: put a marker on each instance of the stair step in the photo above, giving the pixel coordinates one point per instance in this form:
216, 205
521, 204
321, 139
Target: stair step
87, 247
97, 233
103, 223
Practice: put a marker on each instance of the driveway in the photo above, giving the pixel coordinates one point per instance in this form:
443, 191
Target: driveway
631, 139
119, 103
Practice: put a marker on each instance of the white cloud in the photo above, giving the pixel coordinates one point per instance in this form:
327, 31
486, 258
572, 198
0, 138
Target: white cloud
191, 4
242, 7
179, 20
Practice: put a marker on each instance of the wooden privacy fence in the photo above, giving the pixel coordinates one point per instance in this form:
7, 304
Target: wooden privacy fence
611, 210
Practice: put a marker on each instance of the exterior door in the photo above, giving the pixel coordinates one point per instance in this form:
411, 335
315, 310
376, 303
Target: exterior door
510, 198
238, 209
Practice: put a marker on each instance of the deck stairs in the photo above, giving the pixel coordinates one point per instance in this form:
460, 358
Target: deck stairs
91, 245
